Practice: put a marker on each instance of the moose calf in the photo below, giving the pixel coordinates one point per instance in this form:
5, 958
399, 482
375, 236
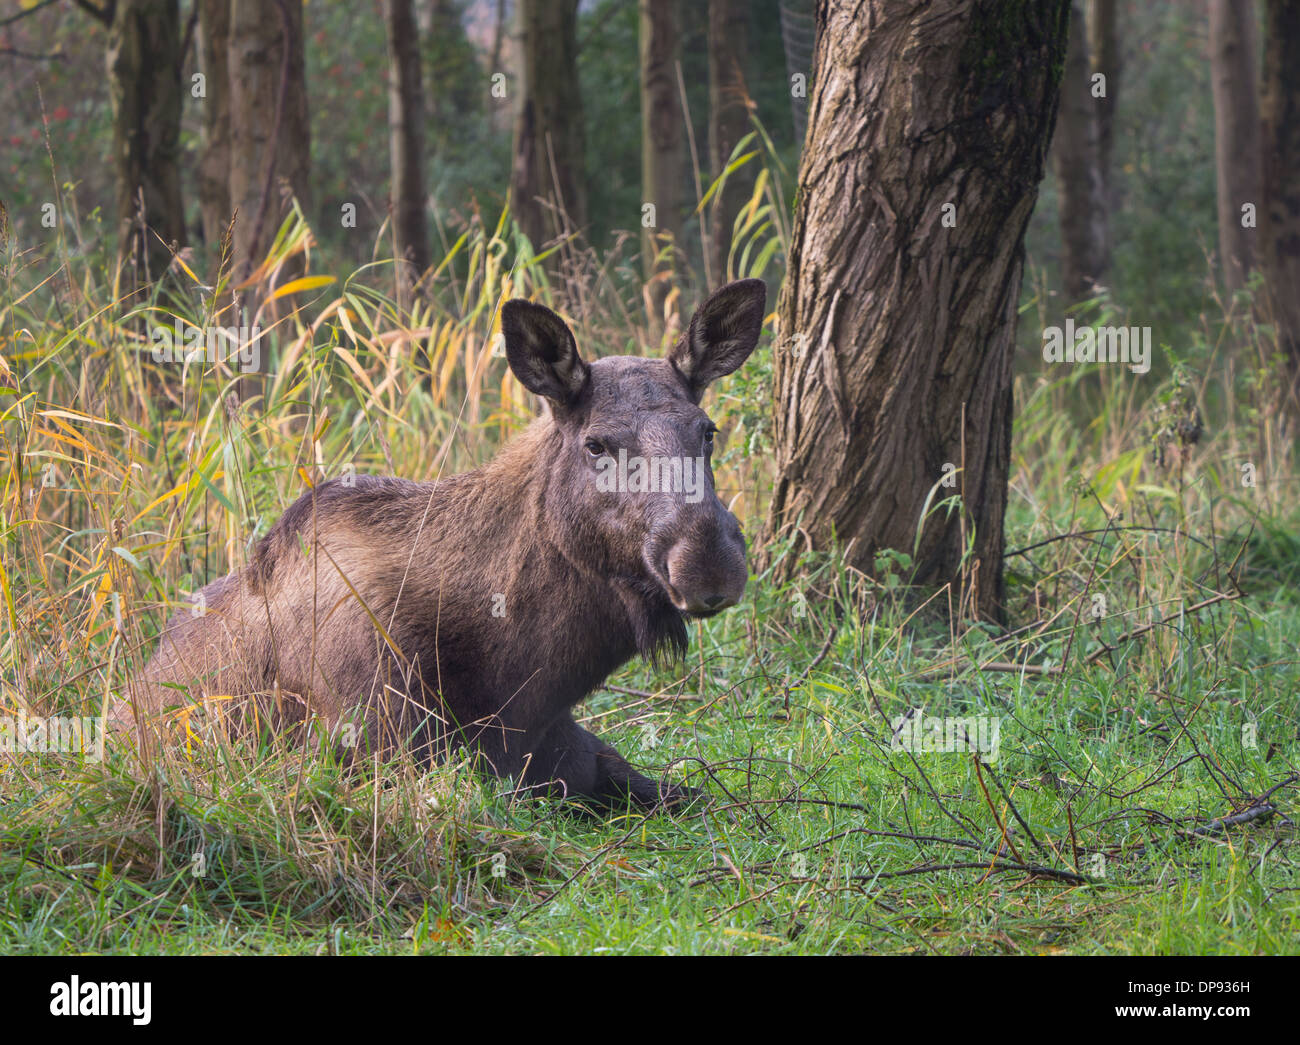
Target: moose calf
478, 609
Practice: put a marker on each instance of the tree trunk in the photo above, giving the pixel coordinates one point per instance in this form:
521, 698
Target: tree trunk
1107, 59
269, 137
1233, 43
897, 318
548, 192
661, 138
1281, 224
454, 97
214, 164
406, 144
144, 79
1077, 159
728, 122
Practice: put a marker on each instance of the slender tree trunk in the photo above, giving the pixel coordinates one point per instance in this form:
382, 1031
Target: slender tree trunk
270, 151
728, 121
1107, 59
661, 137
144, 79
1233, 44
214, 164
269, 141
548, 191
406, 143
498, 37
897, 317
1281, 213
1077, 159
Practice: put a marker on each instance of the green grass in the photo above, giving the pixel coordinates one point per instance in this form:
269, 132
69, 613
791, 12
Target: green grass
818, 838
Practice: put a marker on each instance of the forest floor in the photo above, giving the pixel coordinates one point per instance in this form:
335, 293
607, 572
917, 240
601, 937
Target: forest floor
1105, 810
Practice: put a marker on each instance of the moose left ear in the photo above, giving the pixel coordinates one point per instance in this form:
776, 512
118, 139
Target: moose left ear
721, 335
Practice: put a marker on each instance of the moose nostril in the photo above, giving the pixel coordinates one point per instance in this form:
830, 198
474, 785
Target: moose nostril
714, 601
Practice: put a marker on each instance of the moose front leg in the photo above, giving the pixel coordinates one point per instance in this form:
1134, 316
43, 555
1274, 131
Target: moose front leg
570, 761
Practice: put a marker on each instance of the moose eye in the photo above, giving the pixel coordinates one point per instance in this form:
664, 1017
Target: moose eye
708, 440
595, 447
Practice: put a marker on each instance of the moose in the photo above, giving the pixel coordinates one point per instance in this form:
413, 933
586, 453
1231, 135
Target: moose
476, 610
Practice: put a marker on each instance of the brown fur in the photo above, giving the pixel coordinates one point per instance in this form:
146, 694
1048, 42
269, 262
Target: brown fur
373, 601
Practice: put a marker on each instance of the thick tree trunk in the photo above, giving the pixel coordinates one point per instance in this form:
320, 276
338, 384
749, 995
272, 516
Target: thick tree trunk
1077, 159
406, 144
1107, 59
1233, 43
144, 79
548, 191
897, 318
214, 164
661, 136
1281, 224
728, 122
270, 154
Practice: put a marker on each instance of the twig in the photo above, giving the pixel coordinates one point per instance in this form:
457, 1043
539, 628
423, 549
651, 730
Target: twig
826, 648
1097, 654
998, 866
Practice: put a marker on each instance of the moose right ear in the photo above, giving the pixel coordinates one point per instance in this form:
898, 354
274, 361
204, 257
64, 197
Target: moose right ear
542, 352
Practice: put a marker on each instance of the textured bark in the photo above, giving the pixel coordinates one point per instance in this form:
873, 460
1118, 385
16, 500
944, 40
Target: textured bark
270, 153
1233, 44
214, 164
661, 133
548, 192
1077, 160
896, 332
406, 143
1281, 224
728, 122
1107, 59
144, 79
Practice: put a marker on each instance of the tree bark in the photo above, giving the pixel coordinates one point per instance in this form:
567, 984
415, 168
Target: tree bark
1281, 224
728, 122
270, 154
548, 193
1077, 160
897, 318
406, 144
144, 79
1233, 44
661, 136
214, 164
1107, 59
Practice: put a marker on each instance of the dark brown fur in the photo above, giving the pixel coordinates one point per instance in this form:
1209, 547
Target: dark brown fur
373, 602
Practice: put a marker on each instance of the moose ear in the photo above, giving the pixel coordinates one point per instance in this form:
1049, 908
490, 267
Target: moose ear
541, 351
721, 335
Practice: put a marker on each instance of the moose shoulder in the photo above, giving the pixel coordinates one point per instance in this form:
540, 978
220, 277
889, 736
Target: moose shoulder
478, 609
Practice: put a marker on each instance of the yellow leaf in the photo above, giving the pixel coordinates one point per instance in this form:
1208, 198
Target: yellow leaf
305, 283
355, 367
182, 488
188, 271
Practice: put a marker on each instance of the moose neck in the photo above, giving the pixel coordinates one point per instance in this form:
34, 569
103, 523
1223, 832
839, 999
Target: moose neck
552, 565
